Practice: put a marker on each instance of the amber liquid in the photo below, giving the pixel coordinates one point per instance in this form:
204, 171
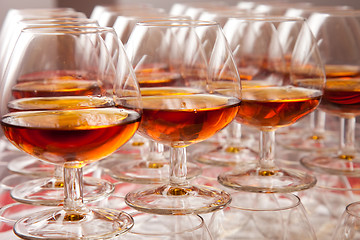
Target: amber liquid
57, 74
251, 68
342, 91
58, 103
55, 87
57, 83
166, 91
158, 79
342, 96
272, 107
70, 136
182, 116
156, 75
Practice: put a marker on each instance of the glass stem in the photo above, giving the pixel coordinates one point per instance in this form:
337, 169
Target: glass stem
178, 169
232, 141
267, 151
156, 151
57, 181
312, 122
234, 134
347, 138
319, 124
3, 142
73, 191
58, 173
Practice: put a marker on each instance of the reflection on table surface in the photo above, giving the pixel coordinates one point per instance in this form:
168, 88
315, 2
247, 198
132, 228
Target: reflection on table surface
324, 203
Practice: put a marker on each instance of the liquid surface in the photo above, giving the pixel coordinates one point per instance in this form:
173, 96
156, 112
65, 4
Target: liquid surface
56, 87
272, 107
342, 96
78, 136
182, 119
45, 103
159, 79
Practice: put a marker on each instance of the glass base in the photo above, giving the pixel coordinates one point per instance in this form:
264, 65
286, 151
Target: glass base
279, 181
26, 165
50, 192
205, 146
97, 223
168, 200
12, 212
137, 146
11, 181
144, 172
29, 166
161, 227
336, 164
228, 156
296, 140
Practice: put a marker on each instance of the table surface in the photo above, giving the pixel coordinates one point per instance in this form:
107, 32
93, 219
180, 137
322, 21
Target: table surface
323, 203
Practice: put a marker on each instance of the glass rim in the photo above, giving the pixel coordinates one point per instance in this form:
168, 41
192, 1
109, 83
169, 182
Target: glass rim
67, 29
55, 9
51, 14
9, 207
191, 229
322, 8
153, 18
295, 202
127, 6
3, 209
232, 12
337, 12
350, 209
338, 189
267, 18
177, 23
319, 185
56, 19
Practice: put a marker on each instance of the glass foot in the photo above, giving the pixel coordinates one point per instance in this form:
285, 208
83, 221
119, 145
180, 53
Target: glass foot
96, 223
29, 166
336, 164
10, 213
26, 165
144, 172
155, 226
50, 191
171, 200
328, 141
11, 181
228, 156
279, 181
136, 147
199, 148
